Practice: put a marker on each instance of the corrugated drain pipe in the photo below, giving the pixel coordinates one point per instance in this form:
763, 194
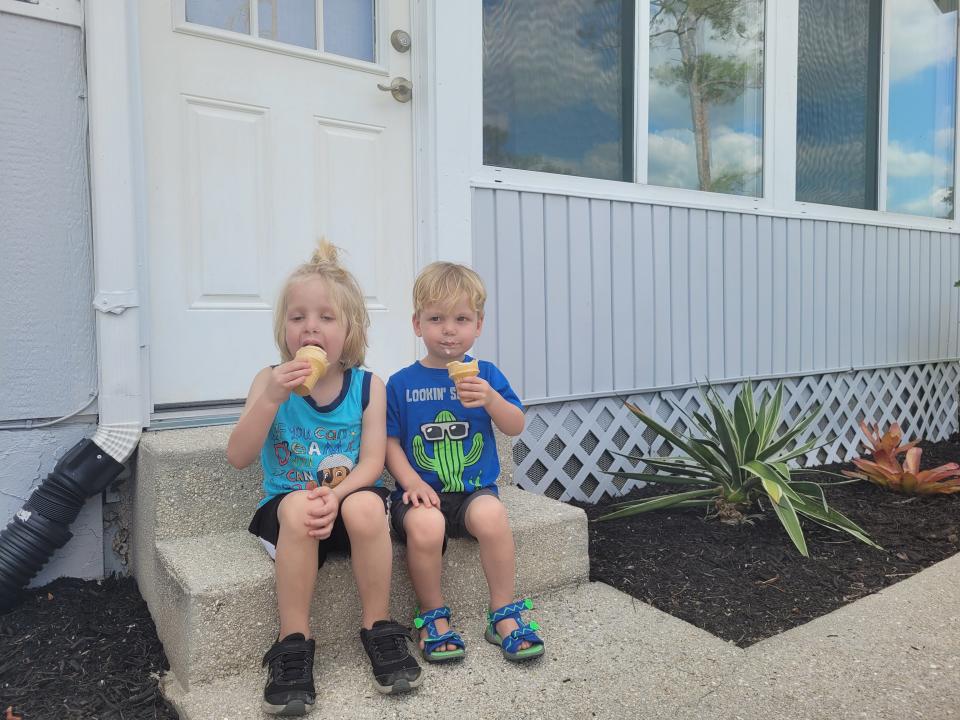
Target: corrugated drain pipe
41, 526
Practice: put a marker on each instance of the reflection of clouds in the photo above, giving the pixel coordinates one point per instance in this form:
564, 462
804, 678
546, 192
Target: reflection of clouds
903, 162
934, 205
673, 158
922, 36
535, 62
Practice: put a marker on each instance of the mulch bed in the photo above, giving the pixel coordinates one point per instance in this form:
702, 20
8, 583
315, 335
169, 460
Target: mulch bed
746, 583
82, 650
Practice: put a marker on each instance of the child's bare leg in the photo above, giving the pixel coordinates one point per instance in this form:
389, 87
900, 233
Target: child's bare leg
486, 519
371, 554
296, 565
425, 528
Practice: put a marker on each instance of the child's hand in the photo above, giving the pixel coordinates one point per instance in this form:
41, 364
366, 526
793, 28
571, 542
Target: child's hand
284, 378
322, 510
475, 392
421, 494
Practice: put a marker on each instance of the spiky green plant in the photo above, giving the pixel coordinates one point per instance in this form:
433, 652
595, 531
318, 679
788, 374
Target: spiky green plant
739, 459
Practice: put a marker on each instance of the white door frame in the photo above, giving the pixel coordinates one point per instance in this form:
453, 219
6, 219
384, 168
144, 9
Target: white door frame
442, 223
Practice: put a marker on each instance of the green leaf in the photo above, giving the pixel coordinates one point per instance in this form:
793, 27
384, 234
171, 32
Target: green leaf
669, 435
662, 479
791, 523
769, 476
834, 520
657, 503
774, 411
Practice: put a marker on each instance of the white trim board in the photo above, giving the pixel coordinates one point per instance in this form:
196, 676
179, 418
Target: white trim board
65, 12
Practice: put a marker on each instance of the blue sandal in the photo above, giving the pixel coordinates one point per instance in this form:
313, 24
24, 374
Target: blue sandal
434, 640
510, 644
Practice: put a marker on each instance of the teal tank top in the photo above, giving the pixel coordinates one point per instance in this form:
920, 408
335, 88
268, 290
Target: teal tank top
309, 442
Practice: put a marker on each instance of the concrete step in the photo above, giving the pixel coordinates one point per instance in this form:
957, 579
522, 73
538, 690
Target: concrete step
213, 600
607, 656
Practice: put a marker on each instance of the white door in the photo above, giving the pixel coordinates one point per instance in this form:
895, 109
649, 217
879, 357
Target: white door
256, 144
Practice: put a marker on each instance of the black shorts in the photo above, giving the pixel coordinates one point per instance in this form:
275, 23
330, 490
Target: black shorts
266, 526
453, 506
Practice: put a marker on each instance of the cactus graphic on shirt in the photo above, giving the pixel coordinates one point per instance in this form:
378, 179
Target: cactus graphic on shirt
448, 460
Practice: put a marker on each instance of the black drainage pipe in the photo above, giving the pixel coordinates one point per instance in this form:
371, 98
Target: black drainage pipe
41, 526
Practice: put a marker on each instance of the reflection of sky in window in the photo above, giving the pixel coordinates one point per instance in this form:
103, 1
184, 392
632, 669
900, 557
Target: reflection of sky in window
289, 21
736, 128
552, 86
922, 105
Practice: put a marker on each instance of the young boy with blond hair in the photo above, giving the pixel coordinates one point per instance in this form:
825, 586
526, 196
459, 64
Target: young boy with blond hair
442, 453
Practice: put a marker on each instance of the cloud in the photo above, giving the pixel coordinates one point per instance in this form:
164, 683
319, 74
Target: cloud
922, 37
673, 157
903, 162
934, 205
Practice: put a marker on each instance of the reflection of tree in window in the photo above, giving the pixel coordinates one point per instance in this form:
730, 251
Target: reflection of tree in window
707, 78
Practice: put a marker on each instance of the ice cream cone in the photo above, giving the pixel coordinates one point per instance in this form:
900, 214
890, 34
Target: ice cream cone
460, 370
318, 362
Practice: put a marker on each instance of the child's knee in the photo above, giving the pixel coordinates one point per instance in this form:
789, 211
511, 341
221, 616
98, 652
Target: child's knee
424, 527
487, 517
363, 514
292, 513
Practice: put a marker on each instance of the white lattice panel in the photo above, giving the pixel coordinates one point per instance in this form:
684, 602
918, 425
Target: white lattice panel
566, 449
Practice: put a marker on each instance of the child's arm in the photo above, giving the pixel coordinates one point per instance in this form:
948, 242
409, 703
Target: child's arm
268, 391
373, 438
477, 392
415, 490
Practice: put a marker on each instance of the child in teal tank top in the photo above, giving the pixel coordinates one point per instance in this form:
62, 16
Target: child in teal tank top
322, 452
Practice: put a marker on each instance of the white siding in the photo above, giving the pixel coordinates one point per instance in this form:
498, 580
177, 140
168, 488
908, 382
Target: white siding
596, 297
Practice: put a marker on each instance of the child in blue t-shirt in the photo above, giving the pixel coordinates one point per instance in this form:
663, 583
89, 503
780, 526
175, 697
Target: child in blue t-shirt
442, 452
322, 452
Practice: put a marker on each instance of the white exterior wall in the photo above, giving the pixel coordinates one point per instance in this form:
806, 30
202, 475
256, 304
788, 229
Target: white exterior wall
48, 364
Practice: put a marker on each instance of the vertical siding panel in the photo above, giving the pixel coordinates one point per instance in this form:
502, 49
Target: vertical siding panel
817, 285
749, 299
624, 305
946, 291
732, 280
780, 272
920, 293
509, 288
680, 293
558, 304
603, 357
930, 288
644, 297
864, 279
534, 296
905, 309
877, 244
581, 297
765, 296
484, 254
832, 296
954, 297
699, 336
663, 344
889, 304
845, 278
715, 284
796, 339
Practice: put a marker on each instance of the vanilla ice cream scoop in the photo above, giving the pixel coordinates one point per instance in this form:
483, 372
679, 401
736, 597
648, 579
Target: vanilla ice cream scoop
460, 370
318, 363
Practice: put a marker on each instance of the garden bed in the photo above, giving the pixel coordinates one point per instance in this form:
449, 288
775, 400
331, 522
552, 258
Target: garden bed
748, 582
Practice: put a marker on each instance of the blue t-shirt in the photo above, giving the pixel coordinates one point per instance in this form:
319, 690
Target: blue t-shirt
450, 446
309, 442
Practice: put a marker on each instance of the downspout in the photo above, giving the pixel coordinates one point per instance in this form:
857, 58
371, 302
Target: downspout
116, 184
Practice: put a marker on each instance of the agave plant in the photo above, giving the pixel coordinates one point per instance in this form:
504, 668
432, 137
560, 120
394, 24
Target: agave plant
886, 471
739, 459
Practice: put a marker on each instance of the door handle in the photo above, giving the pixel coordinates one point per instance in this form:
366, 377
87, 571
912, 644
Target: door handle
400, 88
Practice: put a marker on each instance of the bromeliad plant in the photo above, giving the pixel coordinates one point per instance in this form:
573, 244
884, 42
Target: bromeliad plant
740, 459
886, 471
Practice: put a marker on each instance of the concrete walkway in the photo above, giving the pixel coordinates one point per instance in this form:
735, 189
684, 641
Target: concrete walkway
890, 656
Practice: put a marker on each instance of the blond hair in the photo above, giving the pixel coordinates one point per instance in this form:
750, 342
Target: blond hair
347, 299
444, 283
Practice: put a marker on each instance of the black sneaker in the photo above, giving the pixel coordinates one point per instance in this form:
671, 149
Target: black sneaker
289, 664
395, 670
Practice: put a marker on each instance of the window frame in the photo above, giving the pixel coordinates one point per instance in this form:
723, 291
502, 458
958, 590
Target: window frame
781, 53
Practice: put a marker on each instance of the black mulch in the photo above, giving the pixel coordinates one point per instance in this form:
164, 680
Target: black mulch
83, 650
746, 583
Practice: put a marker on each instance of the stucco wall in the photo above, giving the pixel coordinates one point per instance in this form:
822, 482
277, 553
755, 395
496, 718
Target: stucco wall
47, 340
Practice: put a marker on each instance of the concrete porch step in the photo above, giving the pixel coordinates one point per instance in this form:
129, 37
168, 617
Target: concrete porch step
600, 662
213, 599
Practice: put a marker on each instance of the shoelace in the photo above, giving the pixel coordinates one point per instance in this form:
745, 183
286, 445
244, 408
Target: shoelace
290, 666
388, 648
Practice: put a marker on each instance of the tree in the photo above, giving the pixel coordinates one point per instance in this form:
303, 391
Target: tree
706, 78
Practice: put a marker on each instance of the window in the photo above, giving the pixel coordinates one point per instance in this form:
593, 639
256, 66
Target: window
347, 25
843, 103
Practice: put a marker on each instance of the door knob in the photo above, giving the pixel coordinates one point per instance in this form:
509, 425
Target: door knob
400, 88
